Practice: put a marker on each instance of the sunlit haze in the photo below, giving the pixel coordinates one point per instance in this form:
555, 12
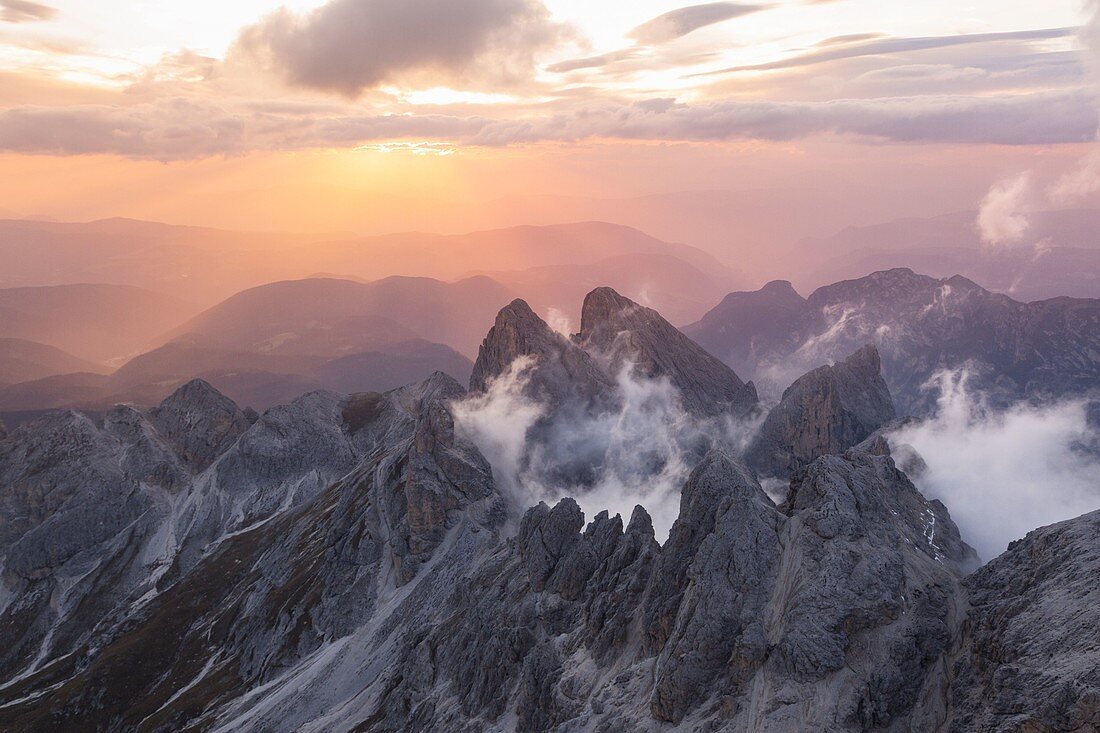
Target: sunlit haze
543, 366
381, 116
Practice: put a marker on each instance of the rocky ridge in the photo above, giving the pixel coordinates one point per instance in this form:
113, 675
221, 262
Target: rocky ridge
825, 412
349, 563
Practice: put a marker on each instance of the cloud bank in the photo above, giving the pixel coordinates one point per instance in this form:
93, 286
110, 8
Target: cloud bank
182, 128
1003, 474
641, 453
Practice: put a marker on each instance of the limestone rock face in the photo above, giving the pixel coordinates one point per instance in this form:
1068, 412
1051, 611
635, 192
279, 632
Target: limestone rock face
199, 422
560, 370
397, 588
1029, 659
628, 335
825, 412
593, 395
616, 334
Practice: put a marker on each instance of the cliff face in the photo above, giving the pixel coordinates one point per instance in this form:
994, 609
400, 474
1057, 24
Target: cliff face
617, 336
561, 372
393, 599
1029, 658
628, 335
824, 412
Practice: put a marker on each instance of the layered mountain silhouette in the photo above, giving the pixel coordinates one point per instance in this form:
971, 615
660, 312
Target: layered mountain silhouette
1056, 255
921, 326
352, 563
332, 317
97, 323
23, 361
553, 264
268, 345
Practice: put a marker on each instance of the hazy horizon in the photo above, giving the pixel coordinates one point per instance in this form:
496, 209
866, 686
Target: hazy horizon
277, 117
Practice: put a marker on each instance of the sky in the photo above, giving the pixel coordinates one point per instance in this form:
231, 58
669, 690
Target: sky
253, 113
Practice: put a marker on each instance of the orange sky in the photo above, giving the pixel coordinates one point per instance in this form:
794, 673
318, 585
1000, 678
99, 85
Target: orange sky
376, 115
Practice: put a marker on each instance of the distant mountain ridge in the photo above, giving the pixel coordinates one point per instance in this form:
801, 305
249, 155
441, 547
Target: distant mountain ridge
1057, 255
95, 322
921, 325
22, 361
267, 345
209, 265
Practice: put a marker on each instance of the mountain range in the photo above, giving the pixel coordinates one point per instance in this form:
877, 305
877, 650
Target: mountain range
205, 266
1056, 255
354, 562
922, 326
270, 344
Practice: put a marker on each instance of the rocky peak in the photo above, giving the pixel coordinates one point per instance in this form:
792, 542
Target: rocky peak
199, 422
628, 335
824, 412
898, 283
713, 483
603, 306
865, 363
560, 369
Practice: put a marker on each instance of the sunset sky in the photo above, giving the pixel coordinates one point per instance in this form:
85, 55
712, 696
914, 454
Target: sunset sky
215, 113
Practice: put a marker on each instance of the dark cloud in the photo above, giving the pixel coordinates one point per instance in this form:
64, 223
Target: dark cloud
22, 11
180, 129
347, 46
890, 46
680, 22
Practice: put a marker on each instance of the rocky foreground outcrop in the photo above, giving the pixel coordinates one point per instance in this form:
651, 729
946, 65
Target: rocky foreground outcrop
392, 601
1029, 658
396, 598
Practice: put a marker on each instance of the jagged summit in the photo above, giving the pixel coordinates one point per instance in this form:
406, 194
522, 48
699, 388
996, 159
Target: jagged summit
824, 412
616, 334
602, 306
199, 422
630, 336
560, 369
